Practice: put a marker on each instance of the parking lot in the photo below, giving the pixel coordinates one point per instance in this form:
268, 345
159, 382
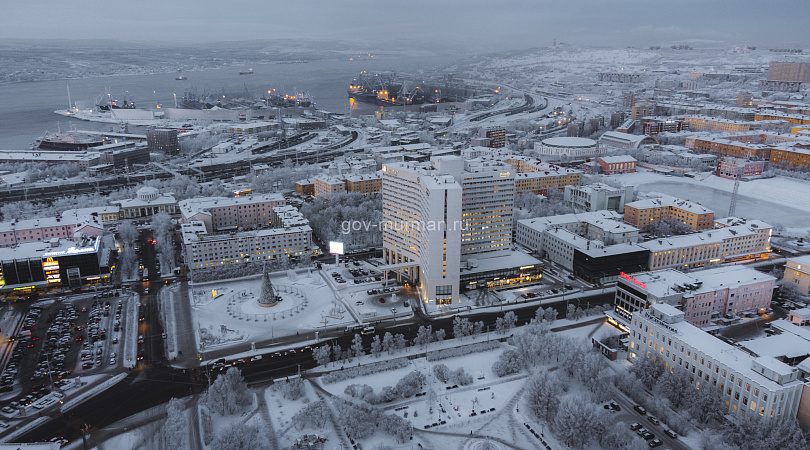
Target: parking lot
369, 292
61, 338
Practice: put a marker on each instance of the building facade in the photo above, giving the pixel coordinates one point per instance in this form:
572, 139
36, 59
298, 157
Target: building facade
702, 296
797, 271
163, 140
147, 203
611, 165
745, 383
597, 197
642, 213
230, 213
441, 213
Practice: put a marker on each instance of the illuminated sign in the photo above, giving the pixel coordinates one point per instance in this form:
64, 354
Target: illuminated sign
527, 267
505, 174
24, 288
51, 269
633, 280
335, 248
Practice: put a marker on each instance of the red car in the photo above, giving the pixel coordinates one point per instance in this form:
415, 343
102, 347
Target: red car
382, 300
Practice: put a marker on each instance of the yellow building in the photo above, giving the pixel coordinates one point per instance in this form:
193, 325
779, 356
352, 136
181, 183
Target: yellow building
793, 119
366, 183
538, 177
794, 156
727, 147
797, 271
642, 213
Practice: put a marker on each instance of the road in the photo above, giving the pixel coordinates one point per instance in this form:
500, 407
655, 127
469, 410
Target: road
153, 382
628, 416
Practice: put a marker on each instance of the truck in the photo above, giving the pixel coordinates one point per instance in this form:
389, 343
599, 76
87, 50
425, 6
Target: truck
145, 276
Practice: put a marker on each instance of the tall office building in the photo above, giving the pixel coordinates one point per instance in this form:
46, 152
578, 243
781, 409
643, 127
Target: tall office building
444, 212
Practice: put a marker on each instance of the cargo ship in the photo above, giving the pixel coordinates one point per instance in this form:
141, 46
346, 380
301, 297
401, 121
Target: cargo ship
246, 72
390, 90
71, 141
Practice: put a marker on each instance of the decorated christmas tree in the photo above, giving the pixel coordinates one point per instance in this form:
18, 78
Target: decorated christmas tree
268, 296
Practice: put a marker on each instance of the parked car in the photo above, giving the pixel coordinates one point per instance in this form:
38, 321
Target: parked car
640, 409
654, 420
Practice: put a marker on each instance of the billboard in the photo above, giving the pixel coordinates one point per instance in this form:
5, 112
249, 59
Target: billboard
336, 248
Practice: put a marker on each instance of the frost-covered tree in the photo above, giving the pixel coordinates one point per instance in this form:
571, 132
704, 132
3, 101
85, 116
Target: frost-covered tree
440, 335
647, 370
478, 328
400, 343
461, 377
314, 415
504, 325
127, 232
411, 384
388, 342
239, 436
322, 355
423, 336
542, 394
668, 226
228, 394
676, 387
337, 353
442, 372
462, 327
509, 362
357, 346
174, 433
575, 421
376, 346
291, 389
749, 431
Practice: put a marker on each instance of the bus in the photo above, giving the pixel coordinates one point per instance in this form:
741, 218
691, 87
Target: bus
145, 276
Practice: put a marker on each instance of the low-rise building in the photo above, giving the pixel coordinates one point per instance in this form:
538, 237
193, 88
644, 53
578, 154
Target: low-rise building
702, 295
148, 202
727, 167
642, 213
611, 165
229, 213
364, 183
106, 214
597, 197
570, 147
738, 242
269, 244
745, 383
81, 259
328, 185
15, 232
625, 141
305, 187
797, 271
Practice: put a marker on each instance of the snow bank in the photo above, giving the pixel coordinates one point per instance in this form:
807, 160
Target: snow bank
84, 396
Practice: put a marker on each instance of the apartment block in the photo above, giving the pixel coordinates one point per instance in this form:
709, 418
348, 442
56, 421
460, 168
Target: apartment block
797, 271
230, 213
642, 213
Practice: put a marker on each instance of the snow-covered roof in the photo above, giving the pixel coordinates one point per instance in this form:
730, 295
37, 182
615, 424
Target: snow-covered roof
199, 205
569, 142
667, 201
617, 159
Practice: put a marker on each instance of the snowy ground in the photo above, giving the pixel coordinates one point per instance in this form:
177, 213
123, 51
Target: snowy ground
226, 312
773, 200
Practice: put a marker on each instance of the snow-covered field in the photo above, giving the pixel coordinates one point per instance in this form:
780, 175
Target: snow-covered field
773, 200
227, 312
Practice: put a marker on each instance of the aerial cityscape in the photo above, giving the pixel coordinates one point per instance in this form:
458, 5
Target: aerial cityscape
405, 226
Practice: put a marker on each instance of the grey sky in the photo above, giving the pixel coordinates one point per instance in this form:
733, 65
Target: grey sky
491, 24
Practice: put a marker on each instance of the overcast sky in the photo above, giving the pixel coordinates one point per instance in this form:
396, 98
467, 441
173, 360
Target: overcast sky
493, 24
